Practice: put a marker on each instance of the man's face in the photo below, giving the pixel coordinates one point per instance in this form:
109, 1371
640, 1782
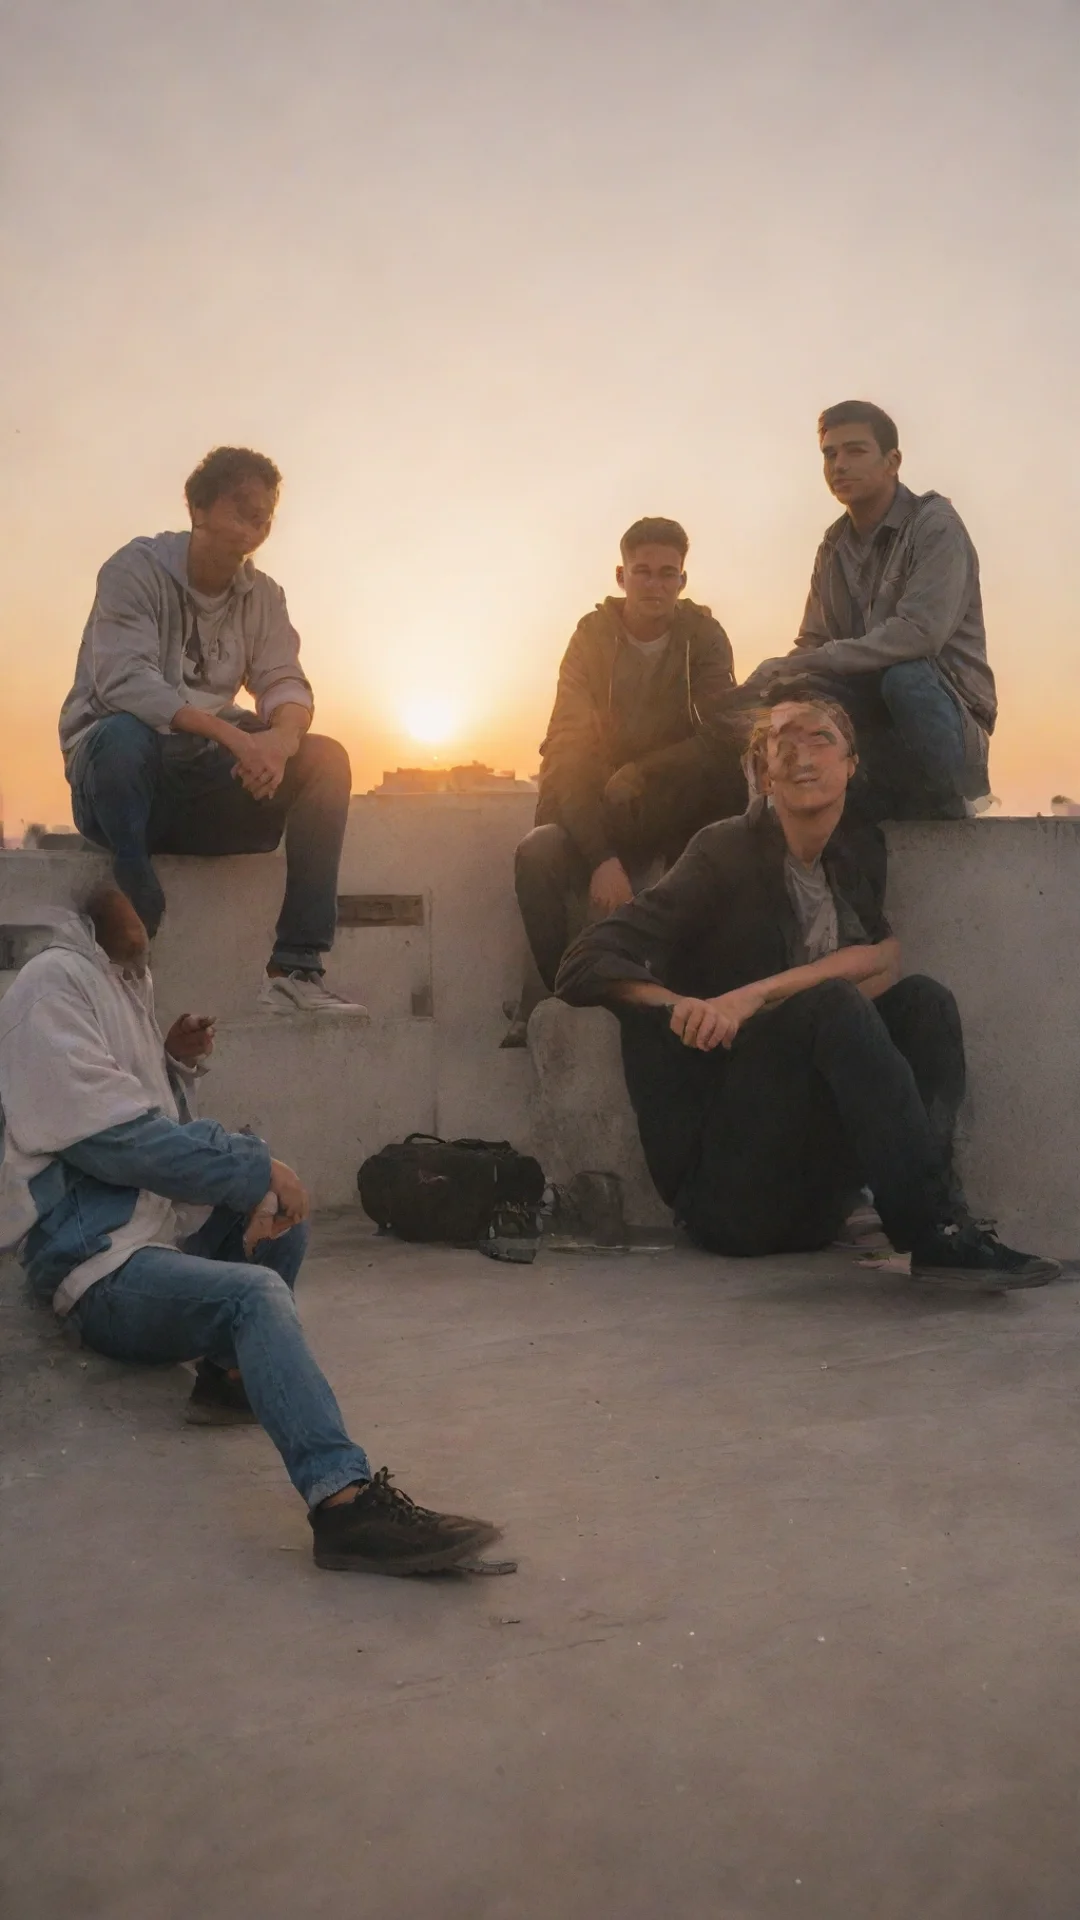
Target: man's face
238, 522
808, 762
652, 580
119, 931
855, 467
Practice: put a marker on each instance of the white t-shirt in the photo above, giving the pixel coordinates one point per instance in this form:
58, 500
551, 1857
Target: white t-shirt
815, 908
211, 611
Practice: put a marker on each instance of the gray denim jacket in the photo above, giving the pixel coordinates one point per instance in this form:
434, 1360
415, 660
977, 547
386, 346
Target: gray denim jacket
928, 604
143, 628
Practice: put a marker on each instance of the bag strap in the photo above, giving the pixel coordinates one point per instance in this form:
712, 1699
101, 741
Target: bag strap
436, 1138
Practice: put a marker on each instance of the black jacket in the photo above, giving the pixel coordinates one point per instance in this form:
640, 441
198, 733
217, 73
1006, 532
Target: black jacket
721, 917
587, 738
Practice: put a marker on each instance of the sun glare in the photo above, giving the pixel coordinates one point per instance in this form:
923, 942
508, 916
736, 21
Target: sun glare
430, 719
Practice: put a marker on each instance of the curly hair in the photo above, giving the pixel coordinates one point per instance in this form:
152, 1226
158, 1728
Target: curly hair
224, 469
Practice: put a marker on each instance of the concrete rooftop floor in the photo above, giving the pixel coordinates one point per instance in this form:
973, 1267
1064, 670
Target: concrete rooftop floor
795, 1631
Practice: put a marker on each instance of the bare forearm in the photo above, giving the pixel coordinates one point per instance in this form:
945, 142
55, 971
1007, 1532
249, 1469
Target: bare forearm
872, 969
291, 721
641, 993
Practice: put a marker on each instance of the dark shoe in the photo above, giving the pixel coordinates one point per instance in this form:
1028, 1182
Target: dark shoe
973, 1257
383, 1531
513, 1233
217, 1400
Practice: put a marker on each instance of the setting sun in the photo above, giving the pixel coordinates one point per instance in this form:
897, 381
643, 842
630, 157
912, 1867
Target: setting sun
431, 719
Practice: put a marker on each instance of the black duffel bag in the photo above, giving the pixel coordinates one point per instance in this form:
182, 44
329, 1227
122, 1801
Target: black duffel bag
424, 1188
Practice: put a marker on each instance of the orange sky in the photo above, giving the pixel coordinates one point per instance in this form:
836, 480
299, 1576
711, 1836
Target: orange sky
489, 281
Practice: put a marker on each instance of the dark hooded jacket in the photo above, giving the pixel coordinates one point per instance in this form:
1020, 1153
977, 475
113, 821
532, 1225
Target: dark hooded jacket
722, 917
669, 734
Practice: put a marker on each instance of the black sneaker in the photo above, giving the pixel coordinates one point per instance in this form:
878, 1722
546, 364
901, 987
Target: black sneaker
972, 1257
217, 1400
513, 1233
383, 1531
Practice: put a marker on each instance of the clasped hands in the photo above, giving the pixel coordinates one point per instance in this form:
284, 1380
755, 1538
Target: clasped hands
189, 1040
261, 759
706, 1024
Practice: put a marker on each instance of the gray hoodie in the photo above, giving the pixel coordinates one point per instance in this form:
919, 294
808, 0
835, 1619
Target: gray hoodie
142, 651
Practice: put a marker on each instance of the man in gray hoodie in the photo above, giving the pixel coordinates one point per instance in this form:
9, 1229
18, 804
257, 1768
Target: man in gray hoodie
159, 756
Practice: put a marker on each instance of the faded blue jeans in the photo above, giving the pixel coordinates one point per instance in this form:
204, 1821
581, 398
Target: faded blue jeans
207, 1300
918, 757
139, 792
915, 765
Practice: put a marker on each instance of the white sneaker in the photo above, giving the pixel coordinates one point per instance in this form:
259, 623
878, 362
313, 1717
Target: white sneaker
305, 993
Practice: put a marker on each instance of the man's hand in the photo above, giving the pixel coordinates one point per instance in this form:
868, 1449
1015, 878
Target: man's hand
261, 759
262, 1223
626, 785
706, 1024
191, 1038
291, 1197
609, 887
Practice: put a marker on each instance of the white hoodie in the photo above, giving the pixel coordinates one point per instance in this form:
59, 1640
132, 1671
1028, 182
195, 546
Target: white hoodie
80, 1051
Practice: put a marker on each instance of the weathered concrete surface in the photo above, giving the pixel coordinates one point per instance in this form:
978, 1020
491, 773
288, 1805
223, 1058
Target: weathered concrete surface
325, 1094
992, 907
583, 1120
794, 1632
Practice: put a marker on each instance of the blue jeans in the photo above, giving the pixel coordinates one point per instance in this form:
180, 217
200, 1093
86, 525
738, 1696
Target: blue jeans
207, 1300
139, 792
913, 756
918, 759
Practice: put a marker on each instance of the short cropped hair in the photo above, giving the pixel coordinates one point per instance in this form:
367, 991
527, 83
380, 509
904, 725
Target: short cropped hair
225, 469
861, 413
794, 693
654, 532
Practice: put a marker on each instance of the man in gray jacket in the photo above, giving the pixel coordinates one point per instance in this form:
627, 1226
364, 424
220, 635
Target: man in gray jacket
159, 756
893, 629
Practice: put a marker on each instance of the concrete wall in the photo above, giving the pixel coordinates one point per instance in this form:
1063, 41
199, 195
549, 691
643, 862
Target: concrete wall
992, 907
328, 1098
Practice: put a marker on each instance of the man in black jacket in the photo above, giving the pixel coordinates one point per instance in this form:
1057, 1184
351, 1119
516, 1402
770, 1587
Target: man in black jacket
775, 1060
638, 754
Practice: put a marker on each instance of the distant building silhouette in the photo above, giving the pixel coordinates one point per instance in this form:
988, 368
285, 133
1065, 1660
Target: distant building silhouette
474, 778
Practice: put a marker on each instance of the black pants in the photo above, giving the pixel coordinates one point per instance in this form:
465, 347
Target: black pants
763, 1149
550, 874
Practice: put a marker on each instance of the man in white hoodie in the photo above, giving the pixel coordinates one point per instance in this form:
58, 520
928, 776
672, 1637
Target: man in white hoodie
162, 760
101, 1167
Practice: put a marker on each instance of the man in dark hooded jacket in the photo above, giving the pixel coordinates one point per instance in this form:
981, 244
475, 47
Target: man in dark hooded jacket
638, 753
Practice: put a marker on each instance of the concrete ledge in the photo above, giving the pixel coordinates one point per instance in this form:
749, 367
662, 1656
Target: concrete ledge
991, 907
583, 1120
324, 1093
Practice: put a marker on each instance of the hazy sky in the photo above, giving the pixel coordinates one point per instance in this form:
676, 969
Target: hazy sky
490, 278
